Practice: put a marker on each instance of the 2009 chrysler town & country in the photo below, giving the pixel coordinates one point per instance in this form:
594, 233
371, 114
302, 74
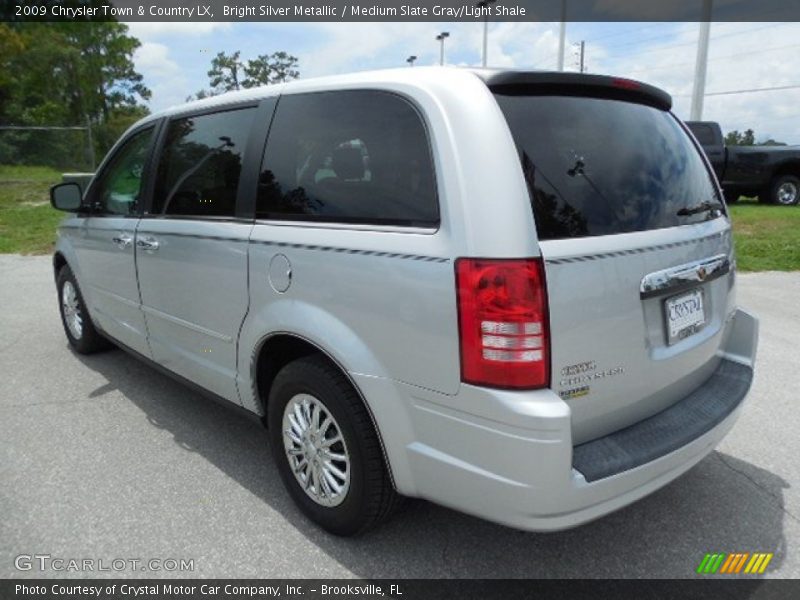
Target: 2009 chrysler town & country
510, 293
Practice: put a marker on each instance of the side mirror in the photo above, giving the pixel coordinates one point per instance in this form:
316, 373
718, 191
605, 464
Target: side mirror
66, 196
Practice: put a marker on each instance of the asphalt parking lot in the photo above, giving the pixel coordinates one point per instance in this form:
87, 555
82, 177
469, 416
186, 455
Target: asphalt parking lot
102, 457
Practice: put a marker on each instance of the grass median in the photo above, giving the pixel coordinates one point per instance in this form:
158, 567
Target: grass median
27, 221
767, 238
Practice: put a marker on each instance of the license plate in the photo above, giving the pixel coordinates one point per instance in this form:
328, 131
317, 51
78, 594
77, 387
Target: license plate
685, 315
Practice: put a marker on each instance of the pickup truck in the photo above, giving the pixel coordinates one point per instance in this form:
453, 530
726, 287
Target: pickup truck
770, 172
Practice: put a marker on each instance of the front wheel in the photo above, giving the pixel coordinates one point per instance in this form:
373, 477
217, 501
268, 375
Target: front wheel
785, 190
326, 448
78, 326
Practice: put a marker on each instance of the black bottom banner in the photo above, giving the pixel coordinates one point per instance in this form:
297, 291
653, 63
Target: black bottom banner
405, 589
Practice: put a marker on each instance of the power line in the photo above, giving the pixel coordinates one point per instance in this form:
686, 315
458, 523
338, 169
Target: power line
694, 42
687, 64
643, 41
619, 33
766, 89
717, 26
749, 91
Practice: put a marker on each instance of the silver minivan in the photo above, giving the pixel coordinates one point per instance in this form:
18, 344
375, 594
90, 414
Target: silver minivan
510, 293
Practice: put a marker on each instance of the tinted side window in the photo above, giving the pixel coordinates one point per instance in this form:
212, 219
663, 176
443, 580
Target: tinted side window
348, 157
118, 189
704, 134
200, 165
598, 167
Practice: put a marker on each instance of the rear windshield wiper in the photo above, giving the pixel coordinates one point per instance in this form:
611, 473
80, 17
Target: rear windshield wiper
700, 208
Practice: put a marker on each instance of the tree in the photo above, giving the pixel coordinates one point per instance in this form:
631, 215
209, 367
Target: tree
771, 142
734, 138
80, 69
71, 73
748, 138
223, 75
228, 72
11, 46
264, 69
200, 95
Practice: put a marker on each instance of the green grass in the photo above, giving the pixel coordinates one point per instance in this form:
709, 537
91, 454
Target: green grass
767, 238
27, 221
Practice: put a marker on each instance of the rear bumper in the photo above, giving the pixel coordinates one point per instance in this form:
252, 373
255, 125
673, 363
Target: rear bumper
508, 456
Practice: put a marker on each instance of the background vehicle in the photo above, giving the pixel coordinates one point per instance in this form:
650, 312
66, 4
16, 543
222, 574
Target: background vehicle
510, 293
770, 172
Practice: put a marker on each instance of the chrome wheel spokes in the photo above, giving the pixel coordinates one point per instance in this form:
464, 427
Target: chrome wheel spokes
316, 450
787, 193
72, 310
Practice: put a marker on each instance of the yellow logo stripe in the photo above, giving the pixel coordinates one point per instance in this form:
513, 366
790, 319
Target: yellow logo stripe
752, 563
764, 564
755, 563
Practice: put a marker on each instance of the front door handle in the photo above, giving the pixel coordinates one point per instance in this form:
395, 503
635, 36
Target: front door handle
122, 240
147, 243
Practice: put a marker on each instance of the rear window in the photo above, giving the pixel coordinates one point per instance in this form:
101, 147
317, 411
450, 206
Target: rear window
703, 133
598, 167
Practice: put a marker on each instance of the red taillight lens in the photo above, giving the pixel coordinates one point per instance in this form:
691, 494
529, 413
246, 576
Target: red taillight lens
502, 312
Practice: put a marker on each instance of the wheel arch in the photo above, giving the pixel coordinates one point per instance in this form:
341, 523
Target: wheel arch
789, 167
277, 349
59, 262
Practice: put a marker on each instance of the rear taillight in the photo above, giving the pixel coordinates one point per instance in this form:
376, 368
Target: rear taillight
502, 312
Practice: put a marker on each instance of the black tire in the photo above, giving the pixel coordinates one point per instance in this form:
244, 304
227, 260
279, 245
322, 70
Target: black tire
785, 190
370, 498
88, 341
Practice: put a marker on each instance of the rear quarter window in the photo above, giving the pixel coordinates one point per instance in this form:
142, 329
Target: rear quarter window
597, 166
358, 156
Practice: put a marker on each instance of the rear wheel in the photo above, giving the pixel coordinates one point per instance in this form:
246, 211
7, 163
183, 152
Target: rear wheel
78, 326
326, 448
785, 190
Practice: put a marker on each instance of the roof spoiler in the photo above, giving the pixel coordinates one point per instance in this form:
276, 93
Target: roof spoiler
575, 84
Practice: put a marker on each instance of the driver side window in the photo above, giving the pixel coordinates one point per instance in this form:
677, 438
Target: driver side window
119, 188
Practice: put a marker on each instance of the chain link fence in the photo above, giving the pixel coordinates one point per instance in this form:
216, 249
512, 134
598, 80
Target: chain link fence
62, 148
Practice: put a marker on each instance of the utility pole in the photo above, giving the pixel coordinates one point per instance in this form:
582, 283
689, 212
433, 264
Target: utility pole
562, 35
485, 4
441, 37
580, 53
701, 65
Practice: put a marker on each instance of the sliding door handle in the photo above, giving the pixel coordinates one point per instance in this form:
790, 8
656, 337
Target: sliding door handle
122, 240
147, 243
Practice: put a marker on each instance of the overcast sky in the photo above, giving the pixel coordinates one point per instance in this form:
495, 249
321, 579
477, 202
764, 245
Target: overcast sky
175, 57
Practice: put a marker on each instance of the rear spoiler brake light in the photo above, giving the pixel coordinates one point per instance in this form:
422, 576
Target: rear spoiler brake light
576, 84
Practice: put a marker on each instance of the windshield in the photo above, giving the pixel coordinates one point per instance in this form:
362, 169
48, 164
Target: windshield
597, 166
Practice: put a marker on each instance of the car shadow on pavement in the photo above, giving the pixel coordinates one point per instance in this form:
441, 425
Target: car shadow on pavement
722, 505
